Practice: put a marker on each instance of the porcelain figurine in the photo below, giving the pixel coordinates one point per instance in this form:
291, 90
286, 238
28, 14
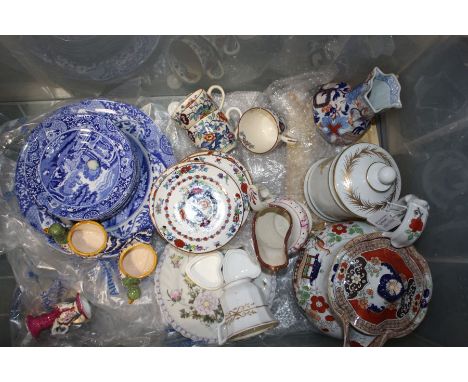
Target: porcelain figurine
61, 317
342, 114
363, 182
246, 313
137, 261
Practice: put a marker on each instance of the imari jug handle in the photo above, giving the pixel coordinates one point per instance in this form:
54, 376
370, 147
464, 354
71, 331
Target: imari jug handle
413, 224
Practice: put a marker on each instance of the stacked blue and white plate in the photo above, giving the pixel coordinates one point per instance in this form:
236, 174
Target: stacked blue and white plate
93, 160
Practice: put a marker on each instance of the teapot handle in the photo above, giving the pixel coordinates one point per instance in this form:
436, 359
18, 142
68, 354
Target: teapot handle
413, 224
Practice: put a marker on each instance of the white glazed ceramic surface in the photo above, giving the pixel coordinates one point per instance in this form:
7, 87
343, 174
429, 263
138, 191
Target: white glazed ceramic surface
312, 270
191, 310
318, 194
301, 223
260, 130
205, 270
271, 230
355, 186
239, 264
246, 313
197, 207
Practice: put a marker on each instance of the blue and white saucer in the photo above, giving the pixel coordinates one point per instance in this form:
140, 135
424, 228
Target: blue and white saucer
154, 153
79, 167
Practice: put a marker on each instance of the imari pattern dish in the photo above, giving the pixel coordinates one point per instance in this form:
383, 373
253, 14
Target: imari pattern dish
79, 167
376, 288
154, 154
311, 273
197, 207
191, 310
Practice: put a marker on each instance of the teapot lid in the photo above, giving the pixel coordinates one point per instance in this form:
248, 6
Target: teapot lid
377, 287
366, 178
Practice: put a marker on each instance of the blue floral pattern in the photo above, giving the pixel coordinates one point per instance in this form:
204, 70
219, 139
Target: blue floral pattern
154, 154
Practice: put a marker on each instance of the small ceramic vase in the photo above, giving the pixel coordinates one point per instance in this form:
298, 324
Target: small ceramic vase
261, 130
87, 238
195, 107
137, 261
246, 313
60, 318
342, 115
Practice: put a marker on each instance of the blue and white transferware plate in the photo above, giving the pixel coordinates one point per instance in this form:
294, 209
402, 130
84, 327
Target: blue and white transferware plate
79, 167
153, 152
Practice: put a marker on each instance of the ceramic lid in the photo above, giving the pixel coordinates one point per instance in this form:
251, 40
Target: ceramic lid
366, 178
80, 167
376, 287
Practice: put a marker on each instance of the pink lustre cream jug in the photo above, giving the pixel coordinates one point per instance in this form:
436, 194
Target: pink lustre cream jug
342, 114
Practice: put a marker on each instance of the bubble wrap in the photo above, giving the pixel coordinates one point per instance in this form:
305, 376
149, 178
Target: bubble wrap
46, 276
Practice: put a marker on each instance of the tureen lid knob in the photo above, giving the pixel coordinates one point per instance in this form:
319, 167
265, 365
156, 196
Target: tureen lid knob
380, 176
387, 175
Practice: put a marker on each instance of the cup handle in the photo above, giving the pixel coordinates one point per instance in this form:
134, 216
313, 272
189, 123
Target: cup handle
221, 90
222, 333
172, 107
413, 224
288, 140
228, 115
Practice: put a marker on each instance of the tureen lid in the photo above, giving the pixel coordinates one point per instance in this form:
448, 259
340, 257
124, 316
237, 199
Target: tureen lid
377, 287
366, 178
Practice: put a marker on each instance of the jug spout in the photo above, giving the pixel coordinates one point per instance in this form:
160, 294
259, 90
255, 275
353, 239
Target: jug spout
382, 91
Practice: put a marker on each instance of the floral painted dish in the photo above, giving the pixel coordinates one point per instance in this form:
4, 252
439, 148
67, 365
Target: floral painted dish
79, 167
232, 167
191, 310
377, 288
197, 207
311, 272
153, 152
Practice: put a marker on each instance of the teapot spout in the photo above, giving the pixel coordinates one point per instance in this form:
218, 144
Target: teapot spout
384, 91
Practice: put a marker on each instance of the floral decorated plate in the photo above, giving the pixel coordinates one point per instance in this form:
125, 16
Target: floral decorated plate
232, 167
154, 154
377, 288
79, 167
191, 310
310, 280
197, 207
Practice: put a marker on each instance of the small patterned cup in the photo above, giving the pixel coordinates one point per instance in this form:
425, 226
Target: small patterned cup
195, 107
214, 132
